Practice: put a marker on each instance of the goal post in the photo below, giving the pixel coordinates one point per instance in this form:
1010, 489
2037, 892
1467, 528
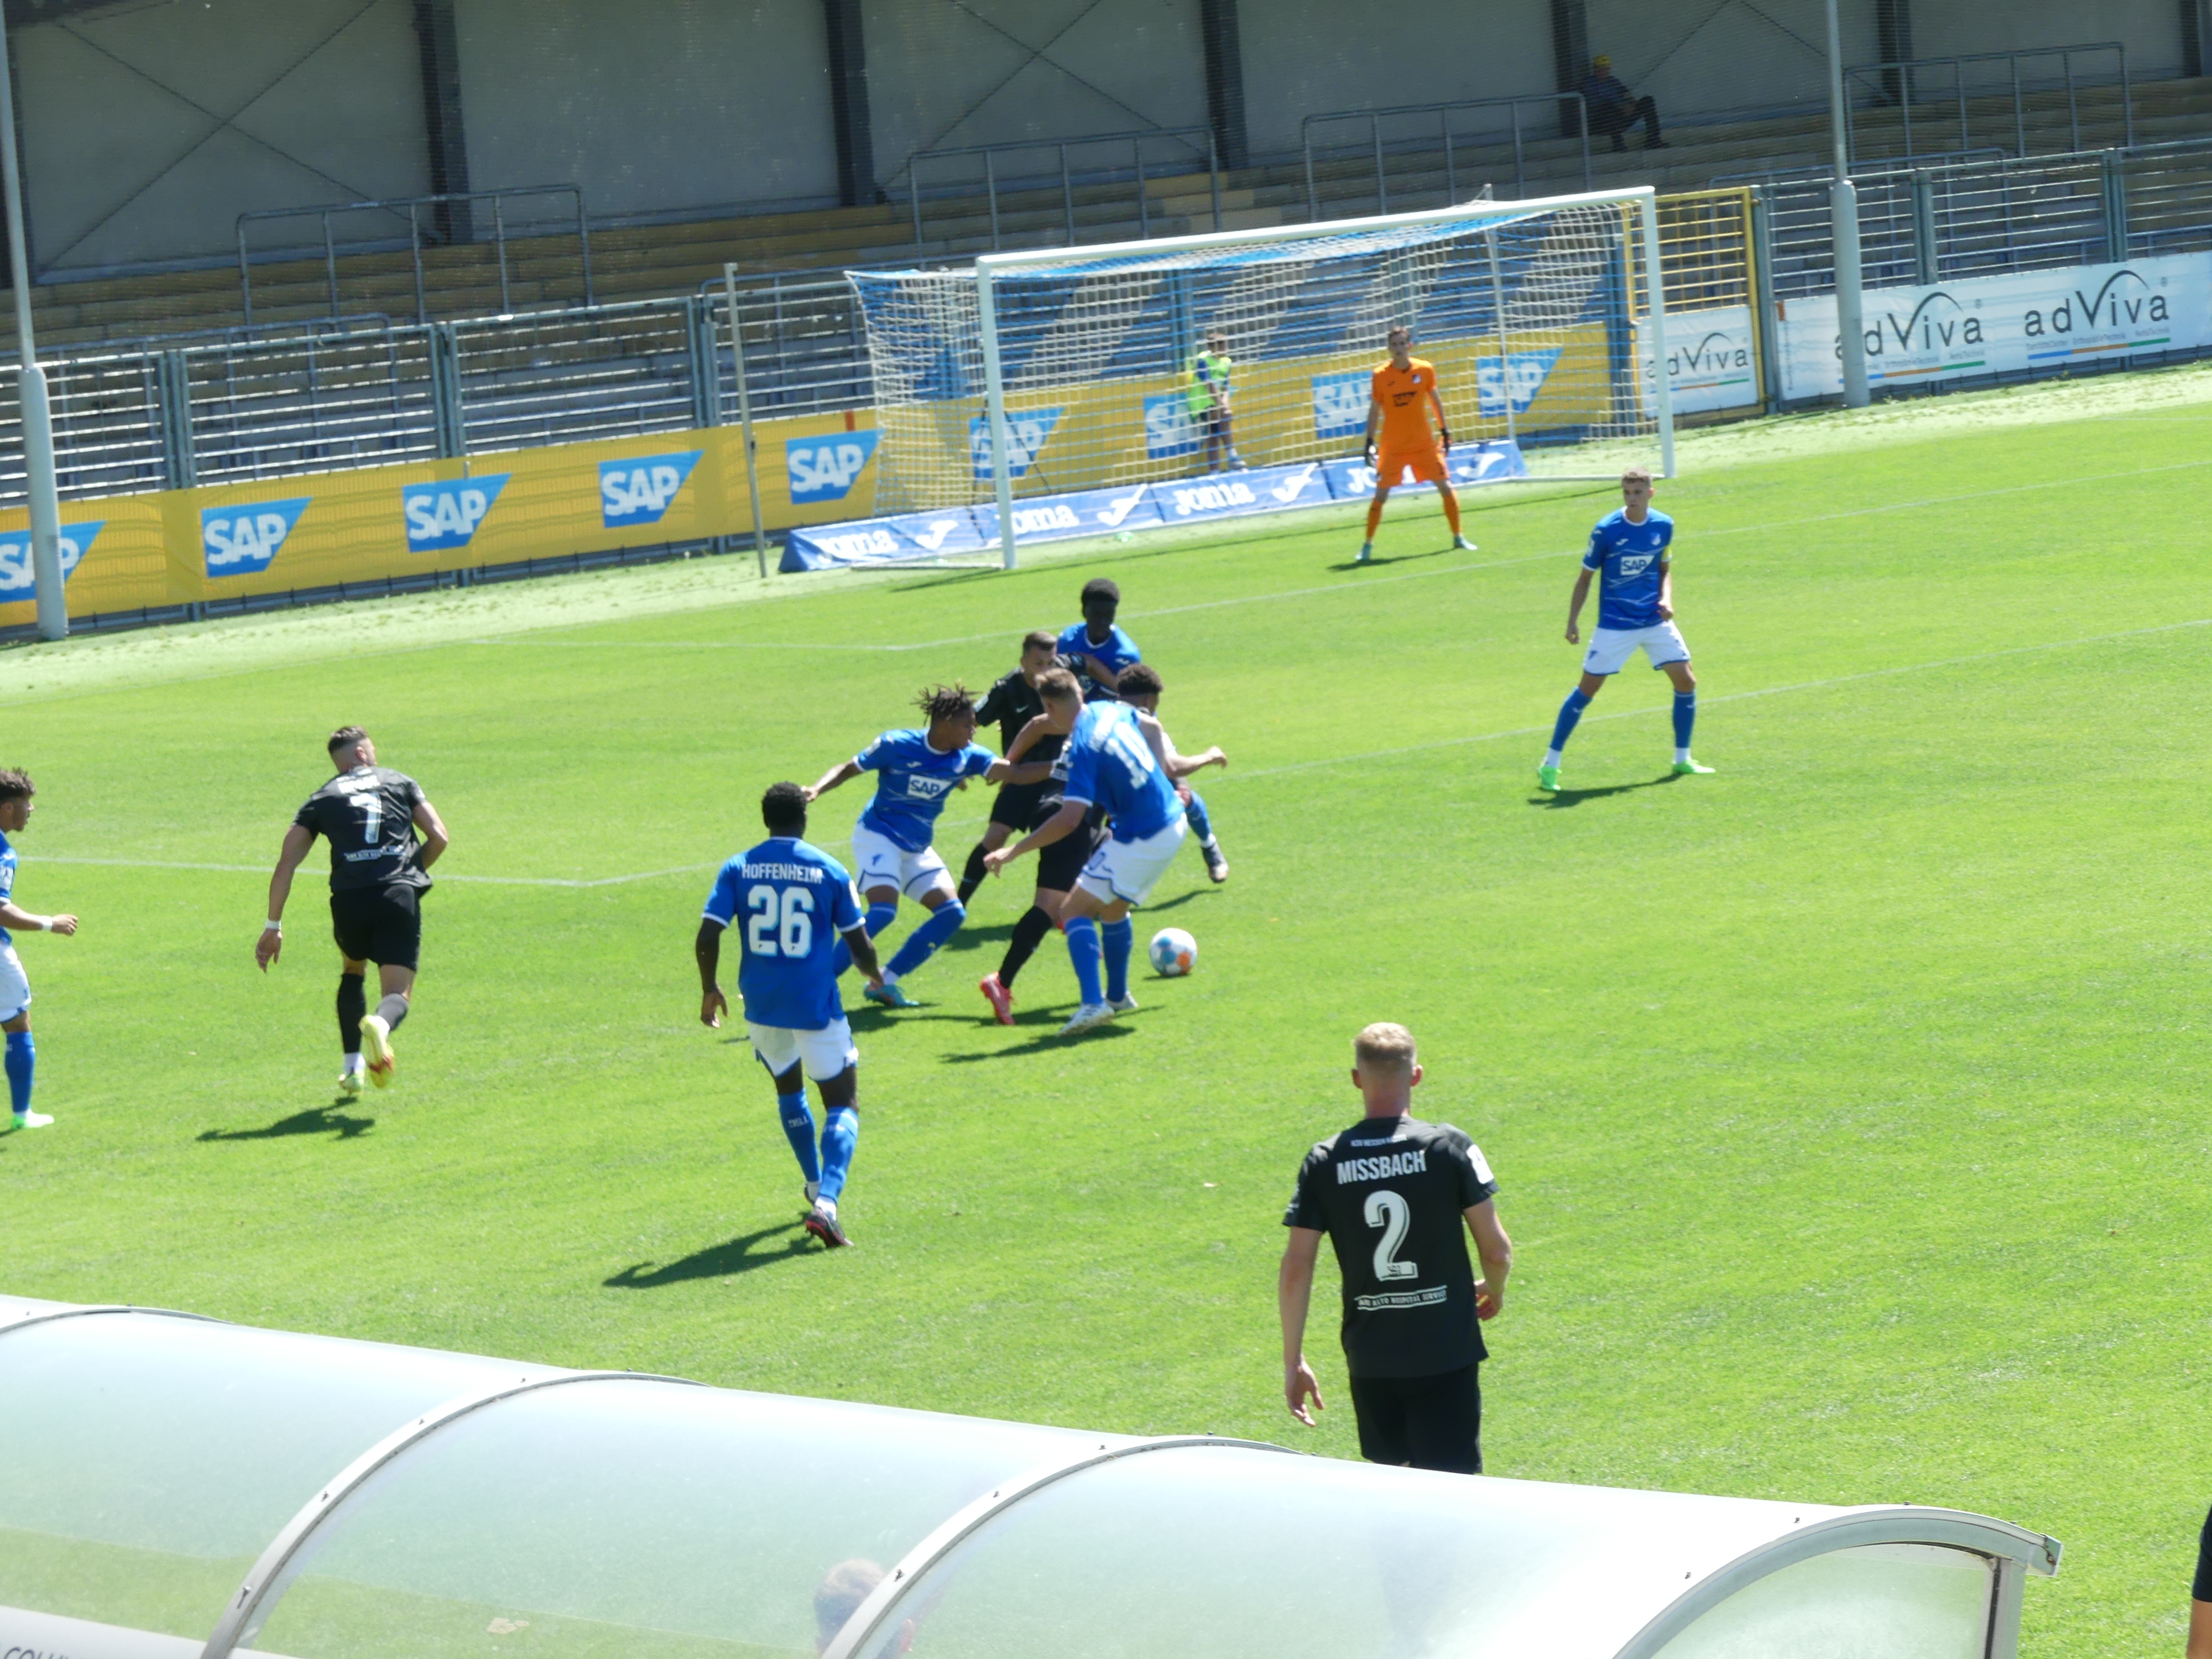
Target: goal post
1100, 369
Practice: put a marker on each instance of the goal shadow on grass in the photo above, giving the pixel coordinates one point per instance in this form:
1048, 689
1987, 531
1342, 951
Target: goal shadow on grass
734, 1255
315, 1121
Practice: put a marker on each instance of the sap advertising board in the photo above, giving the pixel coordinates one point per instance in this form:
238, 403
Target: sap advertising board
17, 581
442, 516
244, 541
637, 489
825, 467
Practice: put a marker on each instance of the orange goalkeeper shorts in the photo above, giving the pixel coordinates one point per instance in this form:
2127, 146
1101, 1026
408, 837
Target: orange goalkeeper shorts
1427, 466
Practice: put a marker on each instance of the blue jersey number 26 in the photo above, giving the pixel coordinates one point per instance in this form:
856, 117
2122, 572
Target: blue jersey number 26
793, 932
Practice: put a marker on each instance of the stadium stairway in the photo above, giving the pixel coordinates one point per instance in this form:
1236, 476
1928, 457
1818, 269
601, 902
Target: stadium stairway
651, 261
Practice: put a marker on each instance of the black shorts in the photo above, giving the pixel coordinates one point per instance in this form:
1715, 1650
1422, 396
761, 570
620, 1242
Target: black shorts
1429, 1422
1059, 864
1016, 805
383, 924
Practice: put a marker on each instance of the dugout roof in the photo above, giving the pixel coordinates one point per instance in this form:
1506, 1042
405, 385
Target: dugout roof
174, 1487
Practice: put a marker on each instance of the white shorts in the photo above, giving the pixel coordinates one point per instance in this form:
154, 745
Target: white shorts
1129, 870
825, 1053
1610, 648
879, 861
15, 988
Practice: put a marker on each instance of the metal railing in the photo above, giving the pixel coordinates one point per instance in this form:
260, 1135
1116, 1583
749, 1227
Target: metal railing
457, 232
1570, 120
1895, 85
1078, 189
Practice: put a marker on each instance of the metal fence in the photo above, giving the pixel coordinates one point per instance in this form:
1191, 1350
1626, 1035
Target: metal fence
1421, 149
1031, 199
452, 227
2006, 101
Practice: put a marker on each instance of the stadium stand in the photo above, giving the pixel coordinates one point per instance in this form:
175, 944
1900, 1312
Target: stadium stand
659, 260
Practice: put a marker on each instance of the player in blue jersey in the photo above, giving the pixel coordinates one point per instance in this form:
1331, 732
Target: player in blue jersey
1098, 653
795, 908
15, 792
915, 770
1119, 761
1629, 554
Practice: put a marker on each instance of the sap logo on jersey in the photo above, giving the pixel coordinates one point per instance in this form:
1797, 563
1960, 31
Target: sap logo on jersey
822, 469
443, 515
243, 541
17, 579
639, 490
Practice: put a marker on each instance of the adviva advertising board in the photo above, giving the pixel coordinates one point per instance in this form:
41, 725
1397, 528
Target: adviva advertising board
2028, 321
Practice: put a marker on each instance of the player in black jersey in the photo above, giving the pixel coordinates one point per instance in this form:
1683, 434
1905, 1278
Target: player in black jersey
1392, 1193
1059, 863
2200, 1600
379, 873
1013, 702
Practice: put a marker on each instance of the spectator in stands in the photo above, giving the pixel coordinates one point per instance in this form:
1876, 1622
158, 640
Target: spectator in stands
1613, 110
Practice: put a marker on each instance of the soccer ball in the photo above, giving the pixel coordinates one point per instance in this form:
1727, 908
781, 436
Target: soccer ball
1175, 953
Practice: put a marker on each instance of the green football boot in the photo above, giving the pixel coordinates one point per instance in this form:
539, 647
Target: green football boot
1690, 768
1547, 780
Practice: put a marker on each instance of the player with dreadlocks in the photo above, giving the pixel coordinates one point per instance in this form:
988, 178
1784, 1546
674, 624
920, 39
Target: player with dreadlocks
915, 770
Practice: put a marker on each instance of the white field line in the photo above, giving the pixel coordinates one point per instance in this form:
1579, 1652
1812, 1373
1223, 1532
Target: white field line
1334, 588
1272, 771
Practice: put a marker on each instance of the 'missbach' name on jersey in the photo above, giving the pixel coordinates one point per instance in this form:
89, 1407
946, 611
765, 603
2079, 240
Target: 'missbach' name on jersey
367, 815
1392, 1194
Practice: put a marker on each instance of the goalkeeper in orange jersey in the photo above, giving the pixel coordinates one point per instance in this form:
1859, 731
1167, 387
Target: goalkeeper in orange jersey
1405, 390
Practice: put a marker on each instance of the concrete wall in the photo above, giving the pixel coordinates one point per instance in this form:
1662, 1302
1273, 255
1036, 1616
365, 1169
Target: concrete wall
147, 132
1316, 56
985, 71
650, 106
1737, 55
2151, 28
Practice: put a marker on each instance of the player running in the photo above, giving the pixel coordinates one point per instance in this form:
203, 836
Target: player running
915, 771
1099, 653
1013, 702
1117, 761
15, 792
379, 873
798, 906
1058, 864
1403, 391
1629, 553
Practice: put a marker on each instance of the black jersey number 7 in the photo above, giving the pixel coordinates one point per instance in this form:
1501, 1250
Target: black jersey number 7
1389, 1212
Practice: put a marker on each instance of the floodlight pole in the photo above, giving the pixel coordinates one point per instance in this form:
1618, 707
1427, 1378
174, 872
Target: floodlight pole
994, 399
1843, 214
31, 386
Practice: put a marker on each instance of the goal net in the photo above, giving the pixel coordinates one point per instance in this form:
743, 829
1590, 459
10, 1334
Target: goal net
1096, 367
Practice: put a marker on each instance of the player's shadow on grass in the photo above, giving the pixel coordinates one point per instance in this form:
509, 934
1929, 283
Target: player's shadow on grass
1382, 559
315, 1121
1047, 1040
735, 1255
1565, 797
975, 938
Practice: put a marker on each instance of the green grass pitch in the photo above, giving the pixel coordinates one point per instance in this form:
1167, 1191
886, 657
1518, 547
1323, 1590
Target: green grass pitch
1849, 1105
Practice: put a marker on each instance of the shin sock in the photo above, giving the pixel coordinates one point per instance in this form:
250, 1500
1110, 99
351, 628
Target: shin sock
1118, 937
799, 1130
1570, 712
22, 1062
922, 944
840, 1132
972, 876
879, 917
1082, 951
1451, 513
1028, 933
1194, 815
391, 1011
1374, 517
1685, 716
353, 1003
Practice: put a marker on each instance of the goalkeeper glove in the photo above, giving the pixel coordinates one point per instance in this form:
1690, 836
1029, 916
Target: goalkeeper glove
1444, 432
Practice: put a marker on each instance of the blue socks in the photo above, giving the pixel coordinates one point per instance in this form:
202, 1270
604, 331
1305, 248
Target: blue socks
1194, 815
23, 1062
840, 1132
799, 1130
1119, 937
922, 944
1571, 713
1082, 951
879, 917
1685, 716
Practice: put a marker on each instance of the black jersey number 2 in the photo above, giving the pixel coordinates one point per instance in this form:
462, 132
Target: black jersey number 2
1388, 1211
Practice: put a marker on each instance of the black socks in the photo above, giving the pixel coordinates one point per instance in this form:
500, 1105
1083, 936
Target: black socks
1028, 933
972, 876
353, 1003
